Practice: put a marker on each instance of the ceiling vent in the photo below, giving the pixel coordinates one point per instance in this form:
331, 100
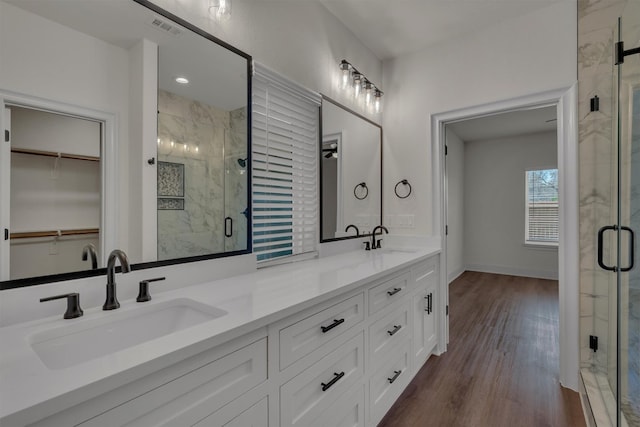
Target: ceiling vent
165, 26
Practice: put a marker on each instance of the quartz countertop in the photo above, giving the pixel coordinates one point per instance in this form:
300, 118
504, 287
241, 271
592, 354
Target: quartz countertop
30, 391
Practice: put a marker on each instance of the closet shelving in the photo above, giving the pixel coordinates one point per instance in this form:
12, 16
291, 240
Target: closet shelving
54, 154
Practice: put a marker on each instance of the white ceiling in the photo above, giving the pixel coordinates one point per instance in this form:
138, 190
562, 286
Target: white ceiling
393, 27
508, 124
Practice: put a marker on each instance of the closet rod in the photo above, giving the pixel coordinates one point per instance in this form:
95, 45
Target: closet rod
54, 154
54, 233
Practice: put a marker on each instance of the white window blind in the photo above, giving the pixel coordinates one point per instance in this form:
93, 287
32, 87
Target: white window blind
542, 206
284, 164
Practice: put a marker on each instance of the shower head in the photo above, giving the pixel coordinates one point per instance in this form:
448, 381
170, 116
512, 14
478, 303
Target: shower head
242, 162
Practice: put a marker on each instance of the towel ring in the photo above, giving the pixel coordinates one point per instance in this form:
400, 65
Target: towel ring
404, 182
355, 191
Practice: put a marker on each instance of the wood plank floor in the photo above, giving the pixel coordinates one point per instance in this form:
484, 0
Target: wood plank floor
501, 367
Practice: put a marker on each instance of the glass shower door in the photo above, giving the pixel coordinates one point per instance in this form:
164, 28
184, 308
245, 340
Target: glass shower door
628, 275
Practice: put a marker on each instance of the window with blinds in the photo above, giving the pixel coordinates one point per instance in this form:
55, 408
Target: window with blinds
285, 132
542, 207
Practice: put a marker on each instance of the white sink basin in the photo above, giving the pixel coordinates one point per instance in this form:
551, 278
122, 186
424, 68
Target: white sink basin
83, 340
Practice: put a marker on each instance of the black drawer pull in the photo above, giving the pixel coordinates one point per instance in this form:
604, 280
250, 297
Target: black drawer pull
335, 379
394, 291
395, 376
335, 323
396, 328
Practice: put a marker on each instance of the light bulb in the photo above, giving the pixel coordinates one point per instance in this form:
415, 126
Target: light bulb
357, 84
197, 149
172, 144
220, 9
368, 93
377, 103
344, 67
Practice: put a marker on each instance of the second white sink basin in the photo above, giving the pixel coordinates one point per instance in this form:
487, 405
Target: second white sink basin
83, 340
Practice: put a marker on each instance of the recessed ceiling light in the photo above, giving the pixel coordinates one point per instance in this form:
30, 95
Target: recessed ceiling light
182, 80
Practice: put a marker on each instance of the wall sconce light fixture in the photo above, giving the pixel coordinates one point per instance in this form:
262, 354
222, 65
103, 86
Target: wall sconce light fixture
352, 78
220, 9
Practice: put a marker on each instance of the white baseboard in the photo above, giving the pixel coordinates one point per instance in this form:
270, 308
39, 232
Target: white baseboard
455, 274
513, 271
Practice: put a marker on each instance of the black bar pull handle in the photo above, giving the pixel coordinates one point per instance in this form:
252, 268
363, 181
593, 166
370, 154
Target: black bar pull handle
394, 291
430, 302
335, 379
395, 376
601, 249
335, 323
631, 248
228, 226
395, 330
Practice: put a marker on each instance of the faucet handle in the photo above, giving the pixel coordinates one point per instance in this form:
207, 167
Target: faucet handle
378, 246
143, 292
367, 245
73, 304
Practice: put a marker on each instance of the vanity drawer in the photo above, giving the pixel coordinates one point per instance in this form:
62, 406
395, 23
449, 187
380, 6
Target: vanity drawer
388, 292
347, 411
310, 333
425, 272
388, 381
306, 396
190, 397
388, 332
255, 416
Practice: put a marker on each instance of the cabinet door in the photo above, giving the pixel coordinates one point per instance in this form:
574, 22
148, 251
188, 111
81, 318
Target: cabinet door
424, 319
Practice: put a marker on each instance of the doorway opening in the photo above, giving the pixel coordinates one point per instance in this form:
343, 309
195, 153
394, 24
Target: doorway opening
565, 104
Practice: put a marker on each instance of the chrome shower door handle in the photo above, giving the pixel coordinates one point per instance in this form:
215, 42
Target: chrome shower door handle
631, 248
601, 249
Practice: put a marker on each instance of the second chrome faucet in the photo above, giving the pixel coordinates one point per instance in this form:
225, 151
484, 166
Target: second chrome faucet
111, 303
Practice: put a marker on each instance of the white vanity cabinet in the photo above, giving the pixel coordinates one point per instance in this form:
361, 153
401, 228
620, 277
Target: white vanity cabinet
342, 361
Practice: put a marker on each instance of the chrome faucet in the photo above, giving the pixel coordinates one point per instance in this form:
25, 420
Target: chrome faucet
374, 244
89, 249
111, 302
352, 226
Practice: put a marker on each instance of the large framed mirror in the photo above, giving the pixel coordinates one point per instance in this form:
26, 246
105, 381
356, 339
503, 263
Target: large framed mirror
350, 173
128, 128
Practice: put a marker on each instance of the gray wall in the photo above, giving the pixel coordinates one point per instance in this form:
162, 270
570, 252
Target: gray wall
494, 205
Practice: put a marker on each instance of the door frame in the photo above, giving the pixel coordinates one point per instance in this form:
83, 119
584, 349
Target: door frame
565, 100
108, 167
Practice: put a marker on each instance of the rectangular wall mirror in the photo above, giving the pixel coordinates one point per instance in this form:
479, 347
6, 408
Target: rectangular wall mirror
351, 173
129, 128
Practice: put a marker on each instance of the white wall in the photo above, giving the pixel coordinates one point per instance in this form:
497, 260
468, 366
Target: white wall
455, 171
494, 201
529, 54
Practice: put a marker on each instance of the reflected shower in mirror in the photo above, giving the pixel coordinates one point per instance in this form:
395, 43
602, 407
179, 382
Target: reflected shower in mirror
351, 173
164, 176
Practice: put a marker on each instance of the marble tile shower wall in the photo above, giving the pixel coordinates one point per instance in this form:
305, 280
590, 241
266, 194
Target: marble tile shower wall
183, 125
597, 26
236, 179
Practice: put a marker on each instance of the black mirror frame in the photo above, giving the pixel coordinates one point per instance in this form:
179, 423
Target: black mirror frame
38, 280
360, 116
